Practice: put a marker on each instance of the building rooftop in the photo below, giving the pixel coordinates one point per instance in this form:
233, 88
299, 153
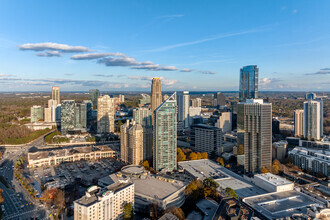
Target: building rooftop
273, 179
205, 126
282, 204
206, 168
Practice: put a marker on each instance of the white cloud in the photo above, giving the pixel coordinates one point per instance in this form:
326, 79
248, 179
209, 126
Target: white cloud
54, 53
53, 46
186, 70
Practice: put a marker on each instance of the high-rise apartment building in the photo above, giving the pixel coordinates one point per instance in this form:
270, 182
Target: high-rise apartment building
105, 114
67, 116
313, 119
56, 94
52, 104
165, 135
248, 85
37, 113
121, 98
183, 108
219, 99
131, 143
254, 132
299, 123
48, 114
197, 102
143, 116
94, 95
156, 94
104, 203
206, 138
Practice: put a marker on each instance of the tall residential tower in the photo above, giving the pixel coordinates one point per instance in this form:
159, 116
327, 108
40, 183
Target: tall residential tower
313, 119
105, 114
156, 94
56, 94
183, 108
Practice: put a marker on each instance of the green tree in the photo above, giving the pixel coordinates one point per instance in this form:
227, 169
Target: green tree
128, 211
230, 192
210, 183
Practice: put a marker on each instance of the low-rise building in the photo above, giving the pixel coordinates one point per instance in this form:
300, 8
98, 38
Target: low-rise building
318, 161
55, 157
149, 189
279, 150
272, 183
104, 203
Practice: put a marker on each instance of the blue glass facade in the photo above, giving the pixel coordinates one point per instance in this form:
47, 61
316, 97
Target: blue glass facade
248, 86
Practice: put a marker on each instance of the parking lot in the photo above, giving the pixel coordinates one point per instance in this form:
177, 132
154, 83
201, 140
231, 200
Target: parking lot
84, 172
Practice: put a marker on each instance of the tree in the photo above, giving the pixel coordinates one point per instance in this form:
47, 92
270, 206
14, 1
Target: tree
1, 197
177, 212
275, 166
128, 211
180, 155
210, 183
146, 164
205, 155
0, 155
264, 170
199, 156
227, 166
240, 150
220, 161
193, 156
230, 192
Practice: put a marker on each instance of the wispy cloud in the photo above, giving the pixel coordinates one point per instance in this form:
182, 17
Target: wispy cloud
168, 18
103, 75
164, 80
323, 71
91, 56
216, 37
186, 70
207, 72
294, 11
53, 46
54, 53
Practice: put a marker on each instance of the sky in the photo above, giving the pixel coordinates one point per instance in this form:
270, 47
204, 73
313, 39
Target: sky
190, 44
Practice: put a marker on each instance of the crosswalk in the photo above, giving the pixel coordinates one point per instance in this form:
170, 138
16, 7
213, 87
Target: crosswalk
17, 215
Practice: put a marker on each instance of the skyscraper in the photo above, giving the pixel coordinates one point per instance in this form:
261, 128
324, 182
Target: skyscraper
93, 96
67, 116
248, 86
254, 132
156, 94
310, 95
105, 114
219, 99
298, 122
165, 135
313, 119
37, 113
197, 102
52, 105
81, 115
131, 143
183, 108
56, 94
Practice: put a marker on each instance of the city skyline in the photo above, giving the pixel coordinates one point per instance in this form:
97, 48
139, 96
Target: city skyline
195, 47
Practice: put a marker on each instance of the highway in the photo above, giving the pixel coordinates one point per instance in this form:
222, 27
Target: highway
18, 203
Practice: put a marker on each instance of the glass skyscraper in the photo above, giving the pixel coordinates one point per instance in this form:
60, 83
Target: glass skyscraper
93, 95
165, 135
67, 116
248, 85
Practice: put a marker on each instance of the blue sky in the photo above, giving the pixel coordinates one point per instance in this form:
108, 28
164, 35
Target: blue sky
192, 45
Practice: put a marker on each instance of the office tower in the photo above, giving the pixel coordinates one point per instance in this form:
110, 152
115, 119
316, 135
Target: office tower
254, 133
165, 135
197, 102
248, 85
233, 108
183, 108
121, 98
299, 123
313, 120
224, 122
93, 96
310, 95
131, 143
67, 116
104, 203
219, 99
206, 138
37, 113
58, 114
56, 94
105, 114
145, 100
48, 114
156, 94
89, 112
275, 126
142, 116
